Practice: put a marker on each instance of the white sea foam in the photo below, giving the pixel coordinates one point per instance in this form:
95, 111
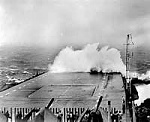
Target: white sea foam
145, 76
142, 76
143, 92
105, 59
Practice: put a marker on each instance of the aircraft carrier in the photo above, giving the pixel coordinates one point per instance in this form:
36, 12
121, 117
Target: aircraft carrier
81, 93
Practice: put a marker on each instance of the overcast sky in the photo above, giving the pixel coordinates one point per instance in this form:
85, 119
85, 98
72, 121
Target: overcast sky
55, 22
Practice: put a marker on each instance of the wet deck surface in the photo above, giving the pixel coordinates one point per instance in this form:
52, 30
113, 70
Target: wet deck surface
37, 92
114, 92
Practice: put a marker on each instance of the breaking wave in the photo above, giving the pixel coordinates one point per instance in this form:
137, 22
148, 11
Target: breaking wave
91, 56
145, 76
143, 92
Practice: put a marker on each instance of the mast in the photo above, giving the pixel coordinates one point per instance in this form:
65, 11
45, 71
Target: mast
128, 80
128, 57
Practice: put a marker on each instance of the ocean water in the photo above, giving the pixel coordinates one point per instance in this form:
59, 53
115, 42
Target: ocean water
22, 62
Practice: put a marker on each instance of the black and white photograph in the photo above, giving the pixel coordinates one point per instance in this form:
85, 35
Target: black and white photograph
74, 60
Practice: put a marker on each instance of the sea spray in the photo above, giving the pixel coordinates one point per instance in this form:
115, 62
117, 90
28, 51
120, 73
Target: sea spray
143, 76
143, 92
103, 59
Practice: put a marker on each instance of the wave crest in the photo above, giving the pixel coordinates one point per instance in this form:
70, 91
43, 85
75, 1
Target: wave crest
104, 59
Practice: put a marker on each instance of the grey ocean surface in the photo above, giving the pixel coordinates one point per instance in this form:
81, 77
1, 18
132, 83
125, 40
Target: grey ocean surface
23, 62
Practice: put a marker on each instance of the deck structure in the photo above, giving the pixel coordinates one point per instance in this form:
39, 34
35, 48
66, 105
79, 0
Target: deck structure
36, 93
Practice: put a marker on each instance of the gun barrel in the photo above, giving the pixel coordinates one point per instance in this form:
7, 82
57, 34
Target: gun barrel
99, 102
50, 103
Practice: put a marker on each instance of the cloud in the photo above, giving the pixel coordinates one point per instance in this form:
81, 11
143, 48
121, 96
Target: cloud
52, 23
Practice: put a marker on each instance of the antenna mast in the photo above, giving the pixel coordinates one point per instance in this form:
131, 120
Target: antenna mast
128, 43
128, 80
128, 57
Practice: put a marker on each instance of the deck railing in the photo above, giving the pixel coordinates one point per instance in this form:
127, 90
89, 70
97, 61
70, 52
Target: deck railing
76, 112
